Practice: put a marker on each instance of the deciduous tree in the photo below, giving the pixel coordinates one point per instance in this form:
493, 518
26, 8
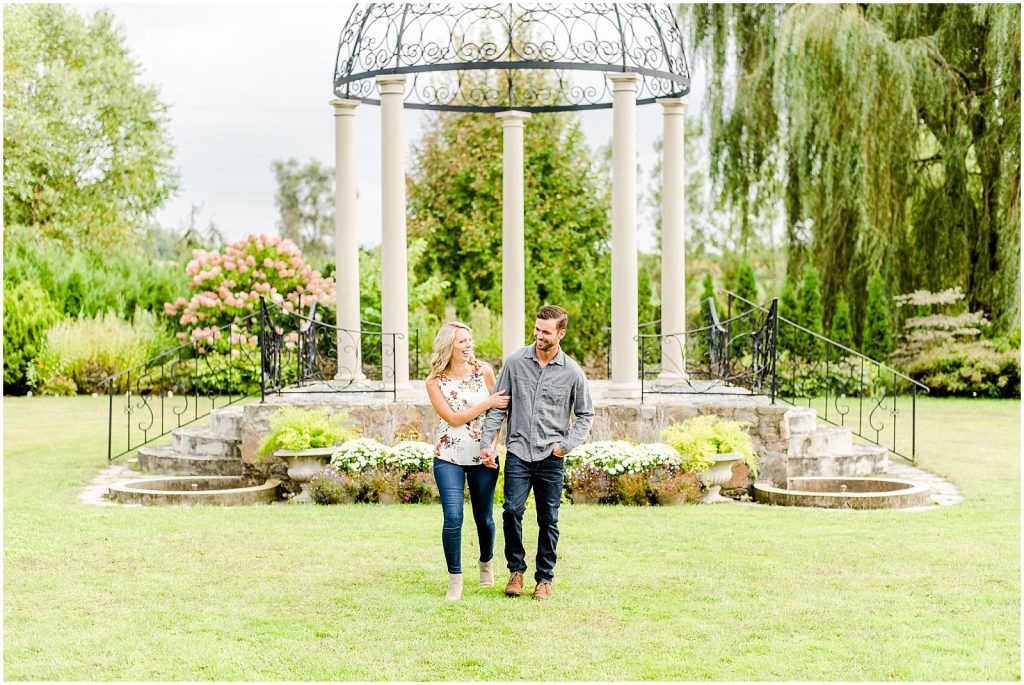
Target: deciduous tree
87, 156
891, 134
305, 204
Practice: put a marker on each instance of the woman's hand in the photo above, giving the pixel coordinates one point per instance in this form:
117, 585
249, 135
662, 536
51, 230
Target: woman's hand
498, 400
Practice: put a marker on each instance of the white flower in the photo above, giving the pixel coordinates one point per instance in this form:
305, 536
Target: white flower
411, 455
615, 457
359, 454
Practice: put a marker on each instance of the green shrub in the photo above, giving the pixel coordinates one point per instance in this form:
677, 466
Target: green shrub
87, 350
669, 484
419, 487
968, 369
298, 428
28, 313
89, 282
587, 483
381, 484
631, 489
699, 438
223, 374
486, 334
330, 486
798, 377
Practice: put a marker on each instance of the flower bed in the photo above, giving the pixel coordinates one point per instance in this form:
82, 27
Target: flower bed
365, 470
603, 472
619, 472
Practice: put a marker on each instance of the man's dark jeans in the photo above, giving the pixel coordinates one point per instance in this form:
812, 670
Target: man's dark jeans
545, 477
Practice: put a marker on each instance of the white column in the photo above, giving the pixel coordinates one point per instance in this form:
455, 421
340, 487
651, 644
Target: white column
346, 245
394, 276
673, 240
513, 262
624, 257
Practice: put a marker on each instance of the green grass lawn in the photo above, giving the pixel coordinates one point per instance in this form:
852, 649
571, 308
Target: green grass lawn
301, 592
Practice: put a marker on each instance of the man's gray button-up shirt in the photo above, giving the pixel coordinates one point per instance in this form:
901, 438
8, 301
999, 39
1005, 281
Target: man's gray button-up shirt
542, 400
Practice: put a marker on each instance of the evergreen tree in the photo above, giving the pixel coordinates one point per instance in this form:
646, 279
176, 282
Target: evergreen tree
746, 285
788, 306
842, 325
707, 293
455, 206
878, 338
810, 312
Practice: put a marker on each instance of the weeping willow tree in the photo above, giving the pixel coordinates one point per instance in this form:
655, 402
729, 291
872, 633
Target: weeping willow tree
890, 133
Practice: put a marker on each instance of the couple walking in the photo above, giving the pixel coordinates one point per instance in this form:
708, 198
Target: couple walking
538, 388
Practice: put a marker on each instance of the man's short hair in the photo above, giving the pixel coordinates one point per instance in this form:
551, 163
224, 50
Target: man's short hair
551, 312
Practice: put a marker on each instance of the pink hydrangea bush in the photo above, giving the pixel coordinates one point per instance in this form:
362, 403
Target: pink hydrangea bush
227, 287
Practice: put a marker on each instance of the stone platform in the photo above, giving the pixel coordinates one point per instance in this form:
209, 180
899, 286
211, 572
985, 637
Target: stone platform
619, 414
790, 441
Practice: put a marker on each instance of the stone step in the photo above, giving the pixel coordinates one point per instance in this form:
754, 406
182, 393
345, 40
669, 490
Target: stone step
227, 421
859, 460
801, 420
166, 460
202, 441
827, 440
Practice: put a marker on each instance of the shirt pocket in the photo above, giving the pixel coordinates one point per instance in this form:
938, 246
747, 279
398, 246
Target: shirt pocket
555, 400
523, 386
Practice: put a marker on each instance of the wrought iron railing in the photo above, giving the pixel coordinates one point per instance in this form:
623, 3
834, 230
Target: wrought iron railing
238, 361
724, 357
844, 387
183, 384
301, 353
372, 352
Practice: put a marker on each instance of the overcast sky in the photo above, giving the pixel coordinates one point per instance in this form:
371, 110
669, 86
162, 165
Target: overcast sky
247, 84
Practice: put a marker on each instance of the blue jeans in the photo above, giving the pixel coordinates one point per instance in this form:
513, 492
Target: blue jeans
451, 482
545, 477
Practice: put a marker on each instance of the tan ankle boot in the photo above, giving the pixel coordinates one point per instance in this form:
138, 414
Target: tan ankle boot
454, 586
487, 573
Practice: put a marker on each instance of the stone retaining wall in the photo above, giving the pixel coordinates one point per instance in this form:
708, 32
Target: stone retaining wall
384, 420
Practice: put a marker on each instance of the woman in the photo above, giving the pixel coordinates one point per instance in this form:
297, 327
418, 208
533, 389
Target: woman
460, 389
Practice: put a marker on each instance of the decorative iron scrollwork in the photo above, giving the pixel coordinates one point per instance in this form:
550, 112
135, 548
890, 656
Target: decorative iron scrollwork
489, 57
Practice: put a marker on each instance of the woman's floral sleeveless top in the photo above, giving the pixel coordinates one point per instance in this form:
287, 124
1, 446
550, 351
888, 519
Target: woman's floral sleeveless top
461, 444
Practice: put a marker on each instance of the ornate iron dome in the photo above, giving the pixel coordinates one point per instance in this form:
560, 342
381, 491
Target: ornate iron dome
491, 57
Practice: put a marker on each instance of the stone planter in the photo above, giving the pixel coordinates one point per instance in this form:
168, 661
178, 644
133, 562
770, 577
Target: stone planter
303, 465
718, 475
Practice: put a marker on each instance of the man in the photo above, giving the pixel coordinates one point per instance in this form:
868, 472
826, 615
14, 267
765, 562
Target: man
545, 386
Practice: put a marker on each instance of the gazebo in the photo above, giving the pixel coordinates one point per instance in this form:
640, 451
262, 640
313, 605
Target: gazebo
512, 61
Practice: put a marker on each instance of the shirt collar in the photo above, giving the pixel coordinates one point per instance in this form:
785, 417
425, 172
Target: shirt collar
559, 358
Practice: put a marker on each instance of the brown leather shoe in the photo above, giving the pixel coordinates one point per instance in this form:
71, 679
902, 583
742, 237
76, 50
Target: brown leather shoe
514, 588
543, 590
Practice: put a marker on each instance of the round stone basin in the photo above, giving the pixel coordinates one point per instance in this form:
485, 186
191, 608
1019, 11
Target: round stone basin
190, 490
845, 493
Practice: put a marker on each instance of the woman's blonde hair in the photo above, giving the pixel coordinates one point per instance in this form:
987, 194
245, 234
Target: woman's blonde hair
443, 343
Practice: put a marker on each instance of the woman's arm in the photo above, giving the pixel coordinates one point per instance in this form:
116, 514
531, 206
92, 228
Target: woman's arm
457, 418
